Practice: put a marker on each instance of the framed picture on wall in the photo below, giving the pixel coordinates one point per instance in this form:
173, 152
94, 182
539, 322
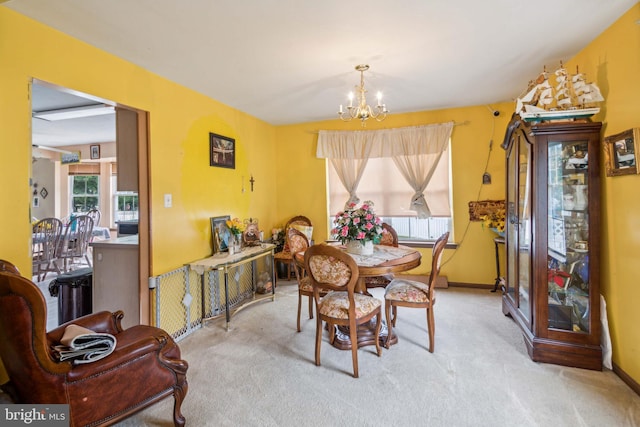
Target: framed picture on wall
621, 153
222, 151
94, 151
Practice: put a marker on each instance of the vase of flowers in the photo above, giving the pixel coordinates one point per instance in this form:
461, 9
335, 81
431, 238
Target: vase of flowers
495, 221
359, 228
236, 227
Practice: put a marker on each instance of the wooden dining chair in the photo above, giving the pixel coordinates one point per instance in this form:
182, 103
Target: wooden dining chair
285, 257
298, 243
44, 241
75, 241
331, 269
389, 238
95, 215
409, 293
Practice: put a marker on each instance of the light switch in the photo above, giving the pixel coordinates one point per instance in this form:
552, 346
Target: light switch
167, 200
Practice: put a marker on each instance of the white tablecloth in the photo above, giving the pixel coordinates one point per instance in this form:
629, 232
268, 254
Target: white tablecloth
102, 232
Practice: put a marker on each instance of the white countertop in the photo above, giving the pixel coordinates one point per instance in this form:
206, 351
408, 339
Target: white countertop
131, 240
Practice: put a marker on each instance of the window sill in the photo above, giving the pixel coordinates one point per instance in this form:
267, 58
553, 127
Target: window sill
425, 244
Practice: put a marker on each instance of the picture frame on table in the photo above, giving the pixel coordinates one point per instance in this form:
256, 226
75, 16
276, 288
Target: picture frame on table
222, 151
621, 153
220, 233
94, 152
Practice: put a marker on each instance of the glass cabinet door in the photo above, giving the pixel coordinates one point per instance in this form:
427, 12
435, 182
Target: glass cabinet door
524, 228
568, 236
519, 227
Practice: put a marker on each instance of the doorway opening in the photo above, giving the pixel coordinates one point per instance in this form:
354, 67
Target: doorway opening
77, 145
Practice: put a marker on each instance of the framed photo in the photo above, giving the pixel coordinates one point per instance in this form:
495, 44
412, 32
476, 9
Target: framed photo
70, 158
478, 210
621, 153
222, 151
94, 151
220, 233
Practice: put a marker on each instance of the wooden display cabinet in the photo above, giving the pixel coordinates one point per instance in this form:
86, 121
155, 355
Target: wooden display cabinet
553, 233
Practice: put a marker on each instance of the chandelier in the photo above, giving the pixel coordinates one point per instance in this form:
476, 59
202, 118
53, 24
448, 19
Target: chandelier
361, 110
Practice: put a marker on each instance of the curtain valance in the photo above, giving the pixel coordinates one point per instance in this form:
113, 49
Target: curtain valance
365, 144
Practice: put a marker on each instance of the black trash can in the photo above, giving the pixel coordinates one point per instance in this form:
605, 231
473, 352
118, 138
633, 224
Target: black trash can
74, 292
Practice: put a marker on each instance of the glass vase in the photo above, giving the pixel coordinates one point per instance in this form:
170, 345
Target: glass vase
234, 244
237, 242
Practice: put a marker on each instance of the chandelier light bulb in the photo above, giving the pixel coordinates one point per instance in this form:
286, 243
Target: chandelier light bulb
362, 110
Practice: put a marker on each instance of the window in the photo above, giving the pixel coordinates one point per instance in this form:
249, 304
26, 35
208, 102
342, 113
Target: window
84, 192
383, 184
126, 206
125, 203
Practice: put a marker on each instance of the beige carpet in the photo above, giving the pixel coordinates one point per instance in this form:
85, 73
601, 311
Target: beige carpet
262, 373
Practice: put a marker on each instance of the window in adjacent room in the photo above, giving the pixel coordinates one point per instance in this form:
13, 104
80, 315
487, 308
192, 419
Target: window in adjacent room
125, 203
85, 193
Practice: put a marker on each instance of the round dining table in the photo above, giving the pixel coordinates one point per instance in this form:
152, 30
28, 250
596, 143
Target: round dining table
404, 258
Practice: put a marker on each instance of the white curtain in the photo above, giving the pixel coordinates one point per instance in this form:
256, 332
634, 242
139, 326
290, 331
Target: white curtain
415, 150
421, 153
349, 155
350, 172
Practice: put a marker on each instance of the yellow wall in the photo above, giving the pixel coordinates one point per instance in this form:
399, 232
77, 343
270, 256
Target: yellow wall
613, 62
301, 180
180, 122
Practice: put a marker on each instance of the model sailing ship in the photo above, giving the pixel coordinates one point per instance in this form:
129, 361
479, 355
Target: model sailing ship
570, 97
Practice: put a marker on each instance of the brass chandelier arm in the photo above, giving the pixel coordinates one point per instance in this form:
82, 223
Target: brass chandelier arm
363, 111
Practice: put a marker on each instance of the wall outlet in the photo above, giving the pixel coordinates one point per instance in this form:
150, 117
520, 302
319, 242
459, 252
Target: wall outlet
167, 201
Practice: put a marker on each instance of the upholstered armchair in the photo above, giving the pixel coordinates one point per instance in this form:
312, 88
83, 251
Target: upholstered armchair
413, 294
285, 257
145, 366
389, 238
334, 271
298, 243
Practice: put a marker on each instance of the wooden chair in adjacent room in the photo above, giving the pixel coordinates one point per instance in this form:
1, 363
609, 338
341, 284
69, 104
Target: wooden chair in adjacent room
284, 256
95, 215
389, 238
75, 241
144, 368
409, 293
298, 243
44, 243
332, 269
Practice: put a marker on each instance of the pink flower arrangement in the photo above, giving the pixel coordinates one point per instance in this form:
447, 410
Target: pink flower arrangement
357, 224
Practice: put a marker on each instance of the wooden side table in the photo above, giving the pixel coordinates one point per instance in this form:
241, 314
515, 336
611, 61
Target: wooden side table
497, 241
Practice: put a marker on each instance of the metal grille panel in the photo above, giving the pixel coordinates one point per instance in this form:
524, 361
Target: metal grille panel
182, 301
177, 297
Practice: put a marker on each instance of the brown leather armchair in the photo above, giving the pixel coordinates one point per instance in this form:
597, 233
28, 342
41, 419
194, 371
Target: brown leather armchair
145, 366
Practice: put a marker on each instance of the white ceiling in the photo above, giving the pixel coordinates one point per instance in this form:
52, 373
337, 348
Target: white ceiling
86, 130
292, 61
